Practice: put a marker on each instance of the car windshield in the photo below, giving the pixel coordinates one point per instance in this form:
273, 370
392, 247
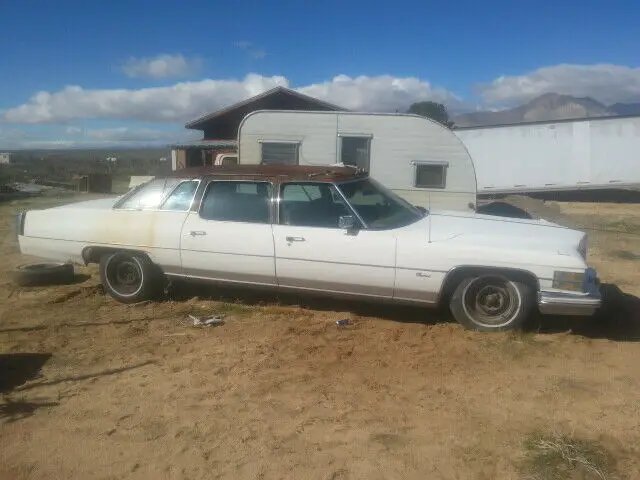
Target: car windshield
378, 206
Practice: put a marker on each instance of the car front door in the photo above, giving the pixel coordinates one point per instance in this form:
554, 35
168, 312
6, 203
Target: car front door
313, 252
229, 237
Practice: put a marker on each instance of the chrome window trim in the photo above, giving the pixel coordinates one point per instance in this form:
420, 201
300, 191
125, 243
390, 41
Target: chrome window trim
128, 195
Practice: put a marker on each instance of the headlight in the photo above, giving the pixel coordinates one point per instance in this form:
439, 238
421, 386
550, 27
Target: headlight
568, 281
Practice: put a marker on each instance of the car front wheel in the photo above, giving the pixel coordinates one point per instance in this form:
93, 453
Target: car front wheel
492, 302
129, 277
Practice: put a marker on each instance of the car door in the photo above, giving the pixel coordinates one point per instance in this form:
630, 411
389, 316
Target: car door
313, 253
229, 237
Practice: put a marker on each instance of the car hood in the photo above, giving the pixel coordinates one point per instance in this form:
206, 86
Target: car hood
474, 228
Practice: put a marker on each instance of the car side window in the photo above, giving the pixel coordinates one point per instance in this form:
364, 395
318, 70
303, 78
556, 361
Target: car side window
311, 205
181, 197
237, 201
150, 195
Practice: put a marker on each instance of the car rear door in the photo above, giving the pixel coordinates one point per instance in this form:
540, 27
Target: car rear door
229, 236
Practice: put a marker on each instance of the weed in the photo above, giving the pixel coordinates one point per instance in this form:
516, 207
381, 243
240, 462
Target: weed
622, 226
231, 308
625, 255
560, 457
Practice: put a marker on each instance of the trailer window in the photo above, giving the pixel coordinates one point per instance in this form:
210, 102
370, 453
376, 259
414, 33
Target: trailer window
430, 175
280, 152
355, 151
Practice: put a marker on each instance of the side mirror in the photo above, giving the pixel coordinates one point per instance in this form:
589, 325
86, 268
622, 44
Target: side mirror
346, 222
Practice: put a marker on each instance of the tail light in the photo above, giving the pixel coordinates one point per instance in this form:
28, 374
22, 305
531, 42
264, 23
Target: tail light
582, 247
20, 220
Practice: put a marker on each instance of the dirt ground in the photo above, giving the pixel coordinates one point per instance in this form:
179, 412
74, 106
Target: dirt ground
93, 389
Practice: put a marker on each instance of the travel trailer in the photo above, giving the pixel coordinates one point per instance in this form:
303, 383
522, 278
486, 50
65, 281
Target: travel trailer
418, 158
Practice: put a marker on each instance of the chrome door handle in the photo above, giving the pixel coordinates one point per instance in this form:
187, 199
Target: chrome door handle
295, 239
193, 233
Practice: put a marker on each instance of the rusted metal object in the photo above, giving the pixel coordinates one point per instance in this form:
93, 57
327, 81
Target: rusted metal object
272, 172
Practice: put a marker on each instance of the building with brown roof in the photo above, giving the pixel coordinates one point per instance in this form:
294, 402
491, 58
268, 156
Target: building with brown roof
220, 128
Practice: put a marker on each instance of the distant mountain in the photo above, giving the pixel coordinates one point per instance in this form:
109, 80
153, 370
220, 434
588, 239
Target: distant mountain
625, 108
550, 106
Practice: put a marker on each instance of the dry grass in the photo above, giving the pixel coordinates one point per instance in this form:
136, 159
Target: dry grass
561, 457
111, 391
625, 255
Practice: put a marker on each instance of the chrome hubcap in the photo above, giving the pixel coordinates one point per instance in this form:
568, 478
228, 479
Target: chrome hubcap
124, 276
491, 301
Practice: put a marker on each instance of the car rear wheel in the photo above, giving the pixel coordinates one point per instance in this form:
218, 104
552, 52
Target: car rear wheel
492, 302
130, 277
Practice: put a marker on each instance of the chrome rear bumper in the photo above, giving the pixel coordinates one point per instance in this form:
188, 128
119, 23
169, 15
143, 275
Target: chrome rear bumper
19, 220
565, 303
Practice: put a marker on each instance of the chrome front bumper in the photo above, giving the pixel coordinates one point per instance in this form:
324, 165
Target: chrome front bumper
566, 303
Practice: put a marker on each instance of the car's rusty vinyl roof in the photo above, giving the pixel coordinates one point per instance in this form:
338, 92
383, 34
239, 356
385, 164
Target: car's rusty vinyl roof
284, 172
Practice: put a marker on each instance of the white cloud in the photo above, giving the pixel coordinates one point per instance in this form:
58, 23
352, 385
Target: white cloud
178, 102
187, 100
383, 93
73, 130
604, 82
162, 66
127, 134
46, 144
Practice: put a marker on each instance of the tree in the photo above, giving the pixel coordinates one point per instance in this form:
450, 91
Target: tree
433, 110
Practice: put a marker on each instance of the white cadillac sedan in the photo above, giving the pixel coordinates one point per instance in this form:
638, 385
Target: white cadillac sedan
329, 230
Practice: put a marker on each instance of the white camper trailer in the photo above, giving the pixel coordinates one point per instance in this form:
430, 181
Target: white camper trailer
421, 160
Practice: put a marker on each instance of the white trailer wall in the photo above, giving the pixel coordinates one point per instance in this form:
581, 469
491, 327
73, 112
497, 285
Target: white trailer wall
397, 141
590, 153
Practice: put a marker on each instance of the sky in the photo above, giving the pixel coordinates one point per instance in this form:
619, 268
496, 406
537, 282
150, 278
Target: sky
130, 72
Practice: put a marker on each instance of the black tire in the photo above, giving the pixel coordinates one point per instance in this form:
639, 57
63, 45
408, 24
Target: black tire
130, 277
40, 274
492, 303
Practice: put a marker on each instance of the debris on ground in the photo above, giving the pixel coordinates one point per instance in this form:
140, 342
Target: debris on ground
343, 322
208, 321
